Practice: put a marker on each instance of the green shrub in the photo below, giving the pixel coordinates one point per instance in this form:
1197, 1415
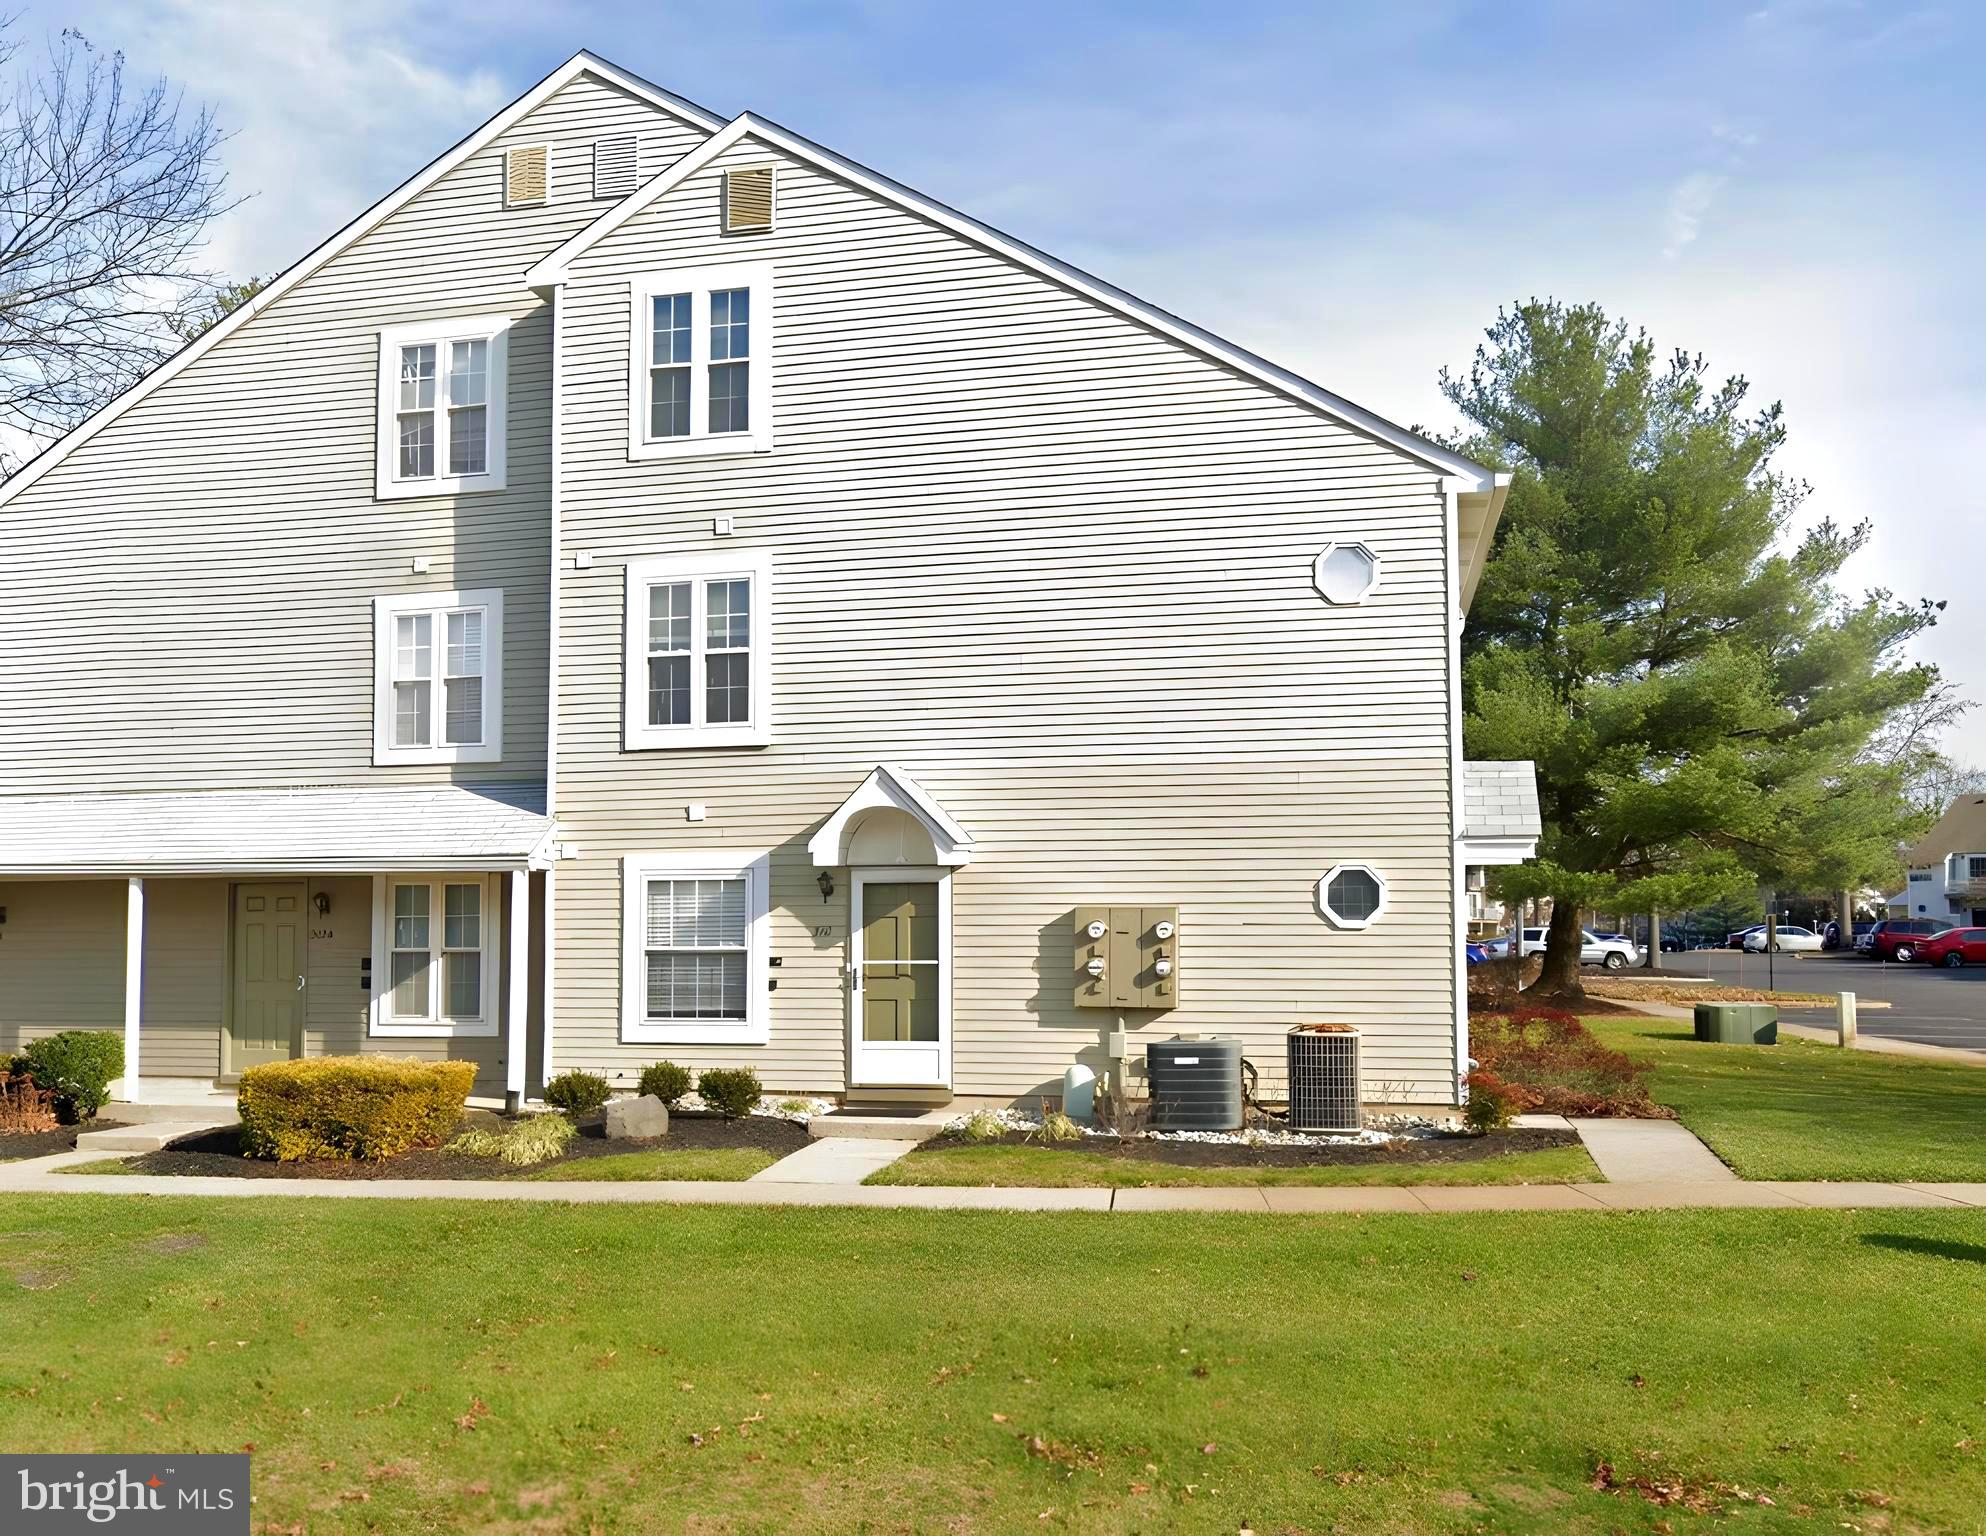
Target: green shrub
665, 1081
77, 1066
577, 1093
731, 1091
528, 1141
362, 1108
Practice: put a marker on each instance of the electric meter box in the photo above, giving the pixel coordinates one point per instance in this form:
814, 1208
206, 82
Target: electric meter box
1126, 957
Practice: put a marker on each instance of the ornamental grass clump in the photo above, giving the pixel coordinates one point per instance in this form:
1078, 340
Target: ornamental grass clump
982, 1125
1545, 1060
536, 1140
352, 1108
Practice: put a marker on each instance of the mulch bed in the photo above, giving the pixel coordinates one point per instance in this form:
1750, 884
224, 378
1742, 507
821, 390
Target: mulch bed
1456, 1148
15, 1145
218, 1153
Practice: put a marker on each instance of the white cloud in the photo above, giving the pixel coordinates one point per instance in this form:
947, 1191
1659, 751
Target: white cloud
1689, 201
328, 105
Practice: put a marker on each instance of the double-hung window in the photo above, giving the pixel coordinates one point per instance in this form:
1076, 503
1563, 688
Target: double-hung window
694, 947
441, 407
701, 362
438, 677
698, 671
434, 955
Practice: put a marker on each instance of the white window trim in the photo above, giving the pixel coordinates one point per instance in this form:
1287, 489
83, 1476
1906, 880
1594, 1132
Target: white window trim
699, 283
714, 864
435, 1026
636, 733
494, 329
1338, 919
1317, 578
384, 611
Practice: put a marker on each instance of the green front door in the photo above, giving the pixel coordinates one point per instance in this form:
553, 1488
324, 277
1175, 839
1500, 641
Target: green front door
265, 1002
900, 977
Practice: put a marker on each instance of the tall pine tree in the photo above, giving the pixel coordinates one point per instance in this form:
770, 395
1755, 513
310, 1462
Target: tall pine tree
1699, 696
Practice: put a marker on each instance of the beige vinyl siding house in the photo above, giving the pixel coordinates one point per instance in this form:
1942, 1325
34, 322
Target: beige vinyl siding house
1056, 568
855, 597
189, 600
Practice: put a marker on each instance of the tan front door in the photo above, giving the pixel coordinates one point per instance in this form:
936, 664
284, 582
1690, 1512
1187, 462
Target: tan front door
900, 980
265, 1000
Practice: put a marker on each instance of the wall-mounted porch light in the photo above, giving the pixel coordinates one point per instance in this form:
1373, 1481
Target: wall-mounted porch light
322, 901
825, 880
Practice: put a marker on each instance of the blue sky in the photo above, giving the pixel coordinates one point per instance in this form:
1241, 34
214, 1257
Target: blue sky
1793, 189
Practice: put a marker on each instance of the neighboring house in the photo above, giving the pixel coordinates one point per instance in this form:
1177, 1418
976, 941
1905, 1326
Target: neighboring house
1500, 809
1947, 868
654, 588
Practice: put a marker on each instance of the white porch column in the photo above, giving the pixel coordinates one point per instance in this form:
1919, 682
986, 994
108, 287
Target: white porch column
134, 980
517, 972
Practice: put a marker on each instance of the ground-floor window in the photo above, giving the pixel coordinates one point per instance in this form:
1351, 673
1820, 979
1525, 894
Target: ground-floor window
694, 948
434, 953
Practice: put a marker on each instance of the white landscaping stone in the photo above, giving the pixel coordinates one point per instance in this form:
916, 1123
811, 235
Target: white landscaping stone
637, 1119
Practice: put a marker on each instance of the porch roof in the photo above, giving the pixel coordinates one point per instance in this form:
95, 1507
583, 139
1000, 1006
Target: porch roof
306, 830
1501, 819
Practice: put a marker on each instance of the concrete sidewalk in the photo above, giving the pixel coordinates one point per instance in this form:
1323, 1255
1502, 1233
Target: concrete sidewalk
38, 1176
1650, 1151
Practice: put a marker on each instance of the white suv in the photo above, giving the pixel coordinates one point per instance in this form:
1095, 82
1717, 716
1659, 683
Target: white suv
1614, 954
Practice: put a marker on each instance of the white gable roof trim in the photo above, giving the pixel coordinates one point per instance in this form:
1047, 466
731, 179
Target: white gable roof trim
581, 63
553, 269
890, 787
311, 831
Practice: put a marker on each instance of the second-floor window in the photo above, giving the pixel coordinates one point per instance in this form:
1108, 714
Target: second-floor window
697, 662
701, 363
438, 677
442, 390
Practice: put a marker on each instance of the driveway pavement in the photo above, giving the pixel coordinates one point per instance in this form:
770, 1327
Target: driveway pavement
1927, 1004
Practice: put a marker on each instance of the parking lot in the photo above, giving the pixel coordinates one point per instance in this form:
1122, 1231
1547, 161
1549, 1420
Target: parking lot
1928, 1004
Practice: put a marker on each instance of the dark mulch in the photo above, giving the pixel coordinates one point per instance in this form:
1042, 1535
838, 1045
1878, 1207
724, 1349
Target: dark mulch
17, 1145
218, 1153
1457, 1148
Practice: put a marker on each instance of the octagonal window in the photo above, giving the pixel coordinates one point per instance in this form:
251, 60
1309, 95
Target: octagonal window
1352, 895
1345, 573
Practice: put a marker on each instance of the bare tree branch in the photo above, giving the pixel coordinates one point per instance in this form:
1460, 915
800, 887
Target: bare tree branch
106, 194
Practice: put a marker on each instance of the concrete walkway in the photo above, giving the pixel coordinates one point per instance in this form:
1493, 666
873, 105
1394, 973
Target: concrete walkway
1650, 1151
834, 1160
37, 1176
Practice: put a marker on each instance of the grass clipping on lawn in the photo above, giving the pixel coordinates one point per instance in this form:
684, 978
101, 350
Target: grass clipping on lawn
1544, 1060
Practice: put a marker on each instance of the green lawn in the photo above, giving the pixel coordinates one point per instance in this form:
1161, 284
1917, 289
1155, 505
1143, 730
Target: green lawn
700, 1163
466, 1367
111, 1165
1802, 1111
1014, 1167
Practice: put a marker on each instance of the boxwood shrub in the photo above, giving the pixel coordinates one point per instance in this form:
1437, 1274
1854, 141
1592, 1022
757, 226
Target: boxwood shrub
577, 1093
665, 1081
78, 1067
360, 1108
731, 1091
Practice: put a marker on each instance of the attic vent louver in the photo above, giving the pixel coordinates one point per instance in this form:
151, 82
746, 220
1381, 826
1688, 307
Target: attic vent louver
525, 175
614, 166
748, 201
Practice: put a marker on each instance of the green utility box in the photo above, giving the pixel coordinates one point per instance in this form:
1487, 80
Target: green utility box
1737, 1023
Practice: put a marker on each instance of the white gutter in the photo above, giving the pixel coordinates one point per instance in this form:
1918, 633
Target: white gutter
1452, 489
554, 519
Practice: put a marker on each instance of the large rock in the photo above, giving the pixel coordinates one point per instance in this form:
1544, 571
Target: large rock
632, 1119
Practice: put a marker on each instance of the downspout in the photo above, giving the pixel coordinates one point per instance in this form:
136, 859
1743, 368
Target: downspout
1458, 906
552, 640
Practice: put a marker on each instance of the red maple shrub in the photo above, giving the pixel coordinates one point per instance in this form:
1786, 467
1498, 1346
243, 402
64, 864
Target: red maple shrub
1544, 1059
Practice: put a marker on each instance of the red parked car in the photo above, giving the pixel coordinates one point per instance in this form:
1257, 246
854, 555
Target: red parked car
1954, 947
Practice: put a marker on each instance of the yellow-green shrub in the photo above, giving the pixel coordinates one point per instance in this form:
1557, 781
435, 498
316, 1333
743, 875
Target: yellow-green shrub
350, 1107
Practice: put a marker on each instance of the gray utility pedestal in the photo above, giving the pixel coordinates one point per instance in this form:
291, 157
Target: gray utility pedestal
1738, 1023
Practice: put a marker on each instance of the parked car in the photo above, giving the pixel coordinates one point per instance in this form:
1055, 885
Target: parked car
1475, 953
1737, 940
1831, 935
1615, 953
1897, 938
1673, 946
1791, 939
1955, 947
